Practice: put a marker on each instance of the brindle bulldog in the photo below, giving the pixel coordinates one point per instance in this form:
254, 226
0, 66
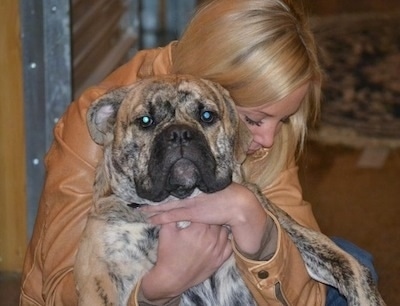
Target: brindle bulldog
172, 137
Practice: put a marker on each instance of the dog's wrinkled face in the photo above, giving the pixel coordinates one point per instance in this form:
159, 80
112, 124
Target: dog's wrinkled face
165, 136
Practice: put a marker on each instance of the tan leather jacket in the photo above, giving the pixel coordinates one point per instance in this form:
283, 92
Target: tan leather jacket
67, 197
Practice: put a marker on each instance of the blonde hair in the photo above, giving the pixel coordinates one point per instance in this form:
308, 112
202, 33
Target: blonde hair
260, 51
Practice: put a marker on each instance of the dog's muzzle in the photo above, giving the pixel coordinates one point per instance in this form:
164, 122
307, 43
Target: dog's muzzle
181, 161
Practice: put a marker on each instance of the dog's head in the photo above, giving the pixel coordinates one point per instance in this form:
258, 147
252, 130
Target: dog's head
166, 136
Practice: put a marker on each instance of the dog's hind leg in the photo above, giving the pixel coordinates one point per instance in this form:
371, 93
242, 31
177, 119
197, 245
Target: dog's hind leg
326, 262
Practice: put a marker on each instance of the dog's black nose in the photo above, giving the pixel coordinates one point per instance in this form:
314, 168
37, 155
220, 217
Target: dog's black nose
179, 134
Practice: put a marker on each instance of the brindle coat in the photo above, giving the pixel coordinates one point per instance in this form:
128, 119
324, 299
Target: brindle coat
174, 137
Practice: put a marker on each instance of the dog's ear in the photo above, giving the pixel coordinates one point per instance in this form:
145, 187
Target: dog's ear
242, 142
102, 114
243, 135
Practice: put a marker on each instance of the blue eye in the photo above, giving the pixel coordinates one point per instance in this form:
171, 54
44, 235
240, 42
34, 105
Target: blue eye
146, 121
207, 116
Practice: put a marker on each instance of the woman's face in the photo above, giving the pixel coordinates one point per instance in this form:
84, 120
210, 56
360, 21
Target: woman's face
265, 121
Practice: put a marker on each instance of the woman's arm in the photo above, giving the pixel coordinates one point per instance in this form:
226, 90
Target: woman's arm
283, 276
235, 206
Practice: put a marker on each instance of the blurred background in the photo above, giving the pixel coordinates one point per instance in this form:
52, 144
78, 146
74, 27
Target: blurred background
50, 51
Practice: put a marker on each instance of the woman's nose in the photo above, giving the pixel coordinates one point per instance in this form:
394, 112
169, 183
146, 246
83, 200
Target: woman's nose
265, 137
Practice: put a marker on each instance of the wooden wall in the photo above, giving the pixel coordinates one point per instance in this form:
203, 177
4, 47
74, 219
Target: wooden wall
12, 141
103, 38
13, 180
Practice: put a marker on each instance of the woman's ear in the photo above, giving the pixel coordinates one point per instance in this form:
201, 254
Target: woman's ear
102, 113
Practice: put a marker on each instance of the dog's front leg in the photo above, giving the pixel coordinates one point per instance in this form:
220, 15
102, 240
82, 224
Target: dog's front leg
91, 272
112, 257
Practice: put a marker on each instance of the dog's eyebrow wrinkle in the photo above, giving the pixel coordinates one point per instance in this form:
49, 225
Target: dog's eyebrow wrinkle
184, 95
153, 106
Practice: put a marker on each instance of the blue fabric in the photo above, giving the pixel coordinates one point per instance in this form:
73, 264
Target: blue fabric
334, 298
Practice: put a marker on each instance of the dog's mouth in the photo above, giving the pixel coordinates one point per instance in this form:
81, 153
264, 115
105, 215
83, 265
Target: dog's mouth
183, 178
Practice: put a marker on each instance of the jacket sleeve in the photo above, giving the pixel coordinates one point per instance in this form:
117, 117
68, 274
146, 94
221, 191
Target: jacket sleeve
65, 201
282, 279
47, 277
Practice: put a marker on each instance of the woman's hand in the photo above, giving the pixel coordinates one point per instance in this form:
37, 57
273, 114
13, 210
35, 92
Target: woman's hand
235, 206
186, 257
